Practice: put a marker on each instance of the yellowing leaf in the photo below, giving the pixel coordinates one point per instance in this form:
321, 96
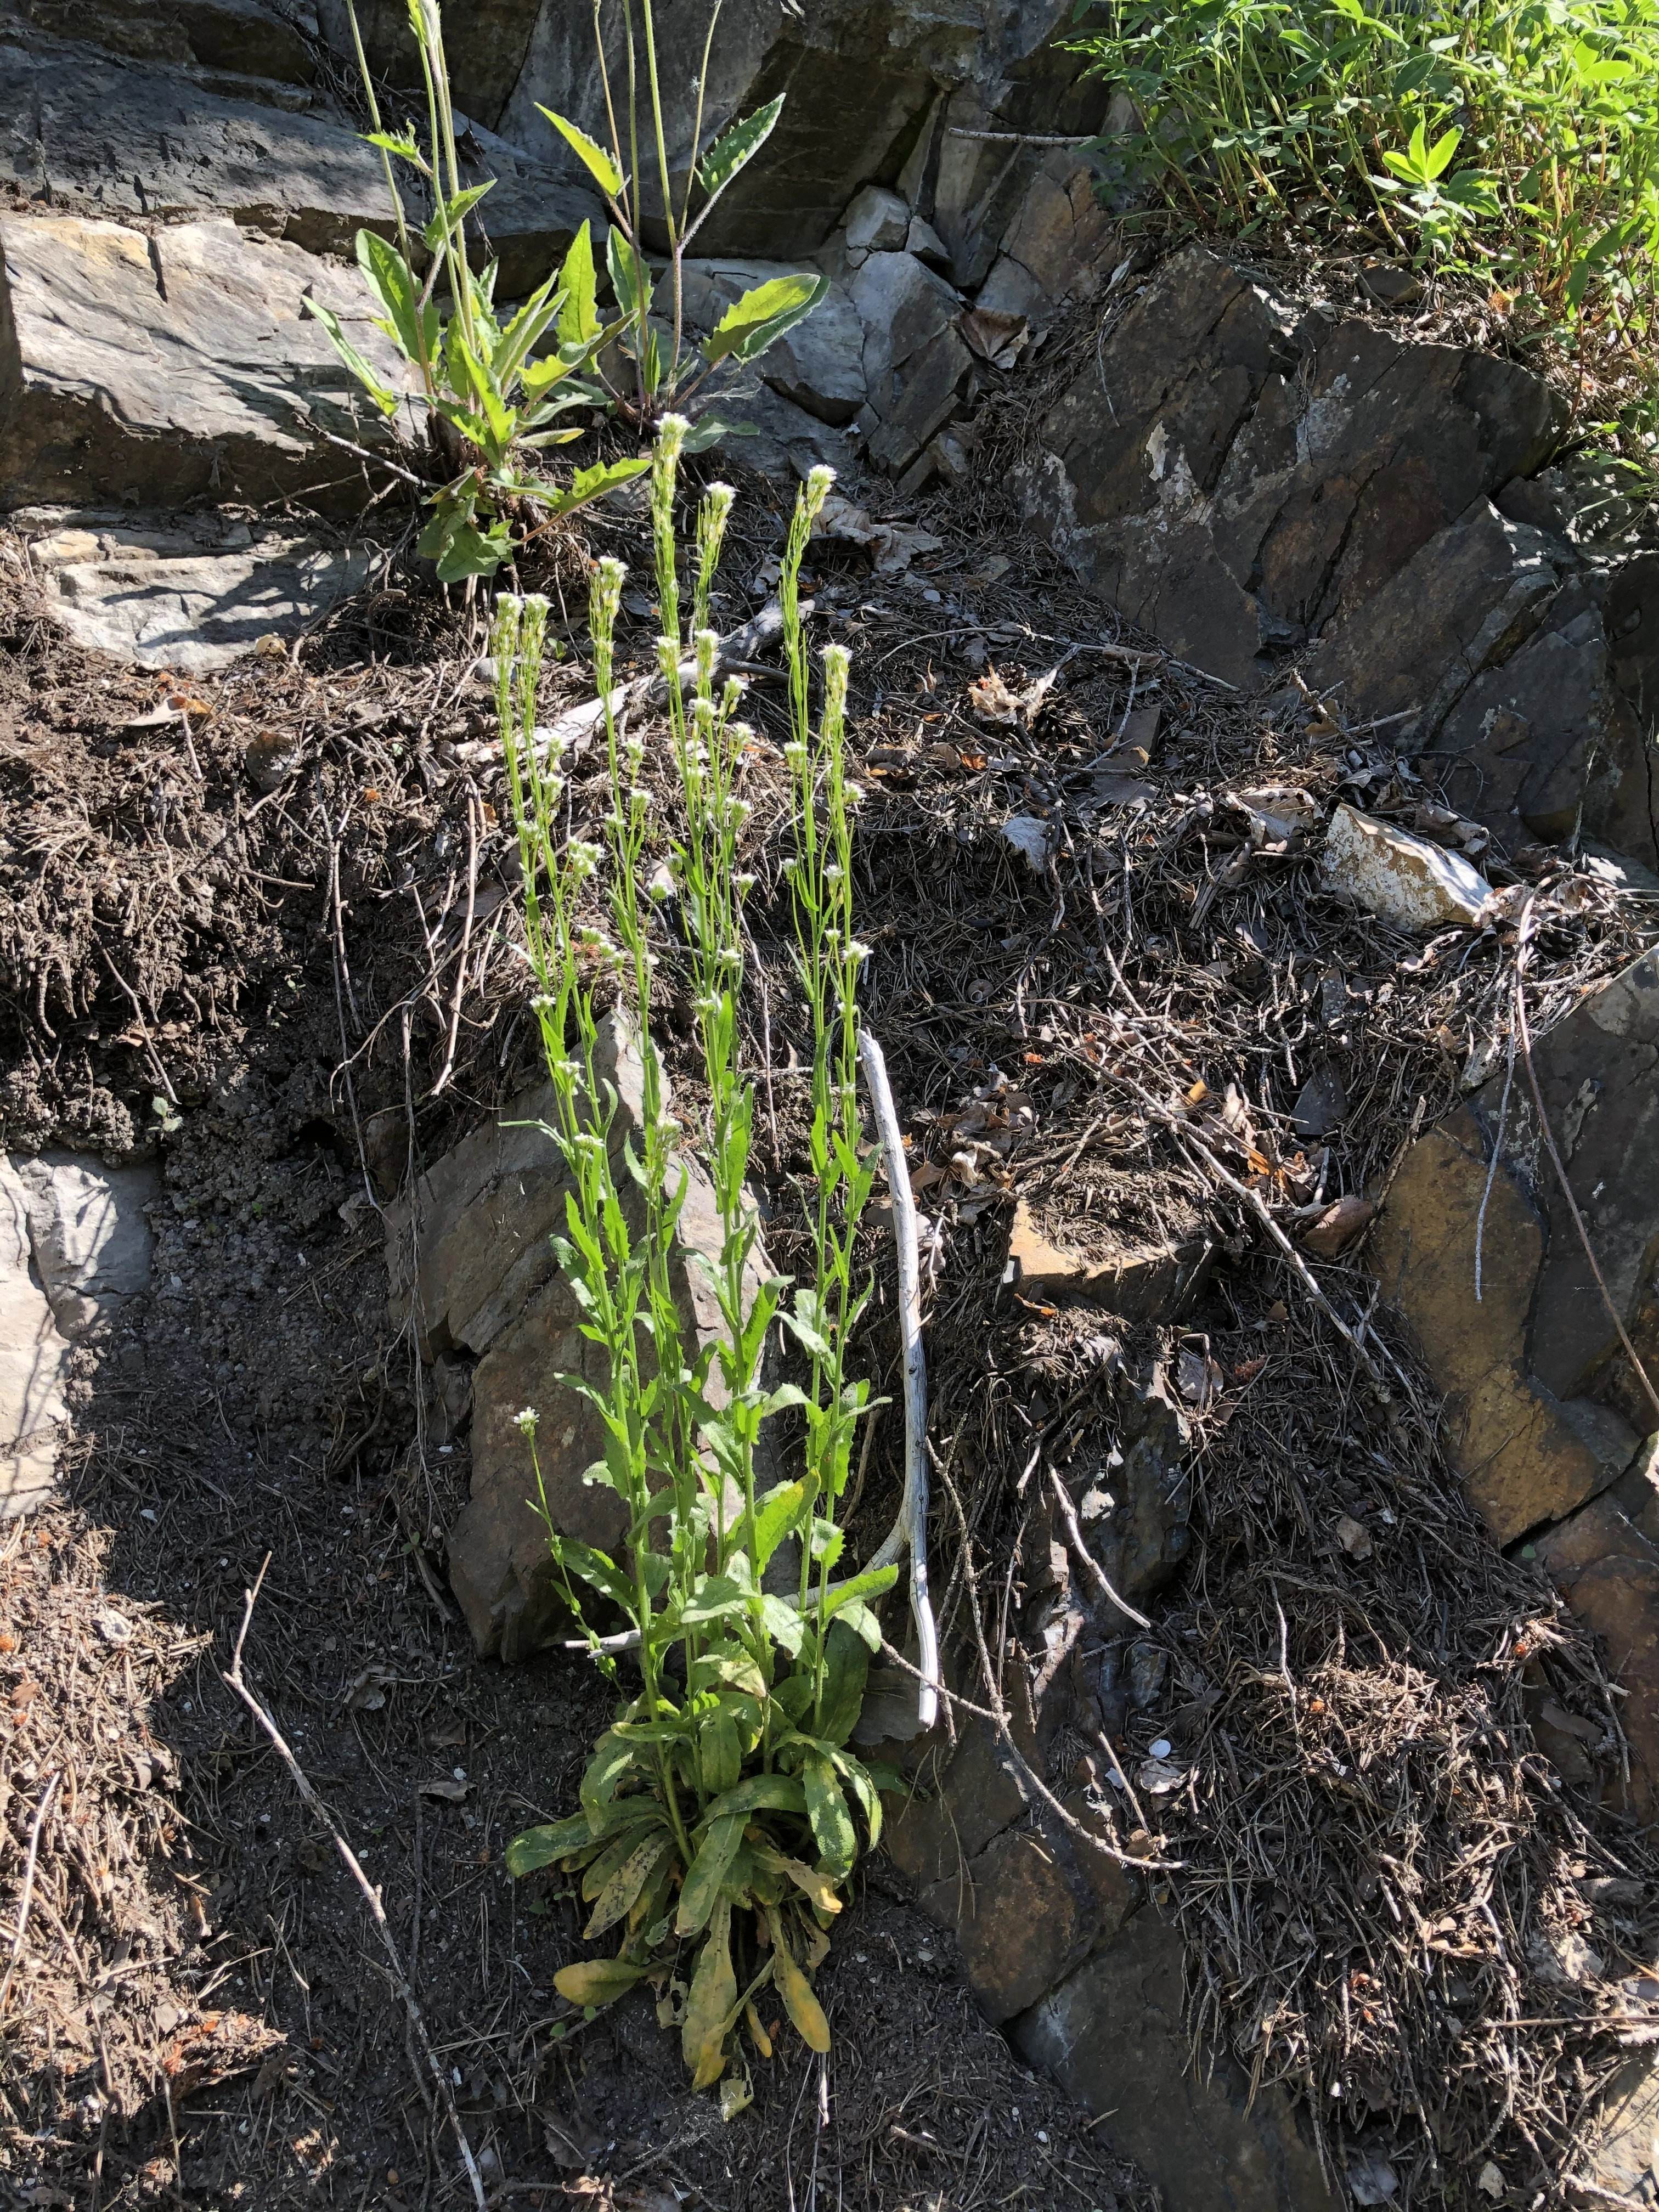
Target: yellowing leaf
713, 2001
796, 1990
617, 1897
596, 1981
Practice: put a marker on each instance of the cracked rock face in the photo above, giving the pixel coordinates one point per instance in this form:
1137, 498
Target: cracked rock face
867, 84
1543, 1411
1249, 480
1238, 476
74, 1246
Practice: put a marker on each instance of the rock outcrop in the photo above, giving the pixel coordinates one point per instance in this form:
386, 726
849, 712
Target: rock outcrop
185, 592
1251, 481
156, 369
1543, 1411
157, 138
75, 1249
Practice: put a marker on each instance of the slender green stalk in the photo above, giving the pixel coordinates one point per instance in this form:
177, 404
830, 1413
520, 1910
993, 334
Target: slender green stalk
725, 1786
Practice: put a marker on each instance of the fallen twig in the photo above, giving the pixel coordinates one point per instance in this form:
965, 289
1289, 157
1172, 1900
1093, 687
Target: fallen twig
314, 1805
1087, 1559
910, 1531
27, 1897
448, 1067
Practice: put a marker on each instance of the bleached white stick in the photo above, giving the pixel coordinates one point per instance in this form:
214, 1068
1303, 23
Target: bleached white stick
910, 1532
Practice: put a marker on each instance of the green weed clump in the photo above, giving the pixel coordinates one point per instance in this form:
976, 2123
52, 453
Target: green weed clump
492, 400
1514, 139
720, 1815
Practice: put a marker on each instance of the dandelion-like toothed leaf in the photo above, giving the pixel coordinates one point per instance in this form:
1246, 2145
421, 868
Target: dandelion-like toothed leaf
451, 213
396, 141
873, 1582
735, 149
762, 316
469, 552
586, 485
599, 166
708, 429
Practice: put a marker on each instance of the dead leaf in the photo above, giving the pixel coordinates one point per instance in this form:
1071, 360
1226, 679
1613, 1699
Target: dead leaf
993, 701
1490, 2181
1353, 1536
1032, 838
1111, 789
1558, 1717
1338, 1226
1198, 1378
1158, 1778
367, 1693
452, 1791
448, 1735
996, 336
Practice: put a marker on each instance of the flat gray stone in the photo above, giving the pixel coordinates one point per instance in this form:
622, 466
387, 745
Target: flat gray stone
903, 307
87, 131
187, 592
877, 222
1113, 2035
241, 38
74, 1247
176, 367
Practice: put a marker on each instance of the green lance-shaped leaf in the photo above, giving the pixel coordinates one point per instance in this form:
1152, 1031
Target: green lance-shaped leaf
599, 166
761, 1793
795, 1990
616, 1899
708, 1871
761, 317
816, 1883
578, 318
630, 278
540, 1847
846, 1665
722, 1756
452, 213
826, 1809
369, 377
597, 1981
